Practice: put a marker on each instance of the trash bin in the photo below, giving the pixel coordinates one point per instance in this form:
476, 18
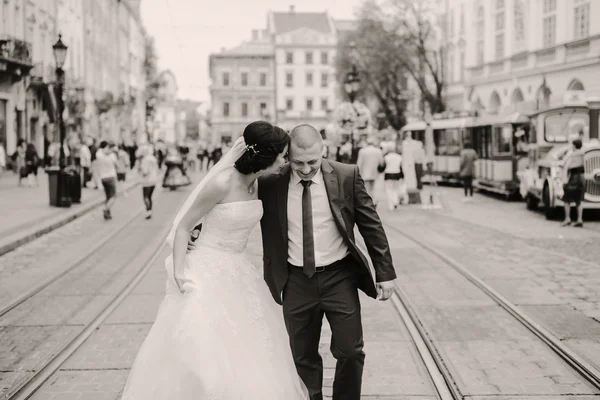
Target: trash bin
52, 173
74, 183
53, 191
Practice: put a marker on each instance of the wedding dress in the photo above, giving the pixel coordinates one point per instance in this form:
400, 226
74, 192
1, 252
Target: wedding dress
224, 338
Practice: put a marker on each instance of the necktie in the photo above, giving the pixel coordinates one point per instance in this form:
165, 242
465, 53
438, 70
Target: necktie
308, 240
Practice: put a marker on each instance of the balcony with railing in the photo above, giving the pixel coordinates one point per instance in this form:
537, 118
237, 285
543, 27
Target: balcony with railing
16, 51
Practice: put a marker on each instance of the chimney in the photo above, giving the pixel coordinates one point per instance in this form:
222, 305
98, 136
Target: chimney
292, 8
254, 34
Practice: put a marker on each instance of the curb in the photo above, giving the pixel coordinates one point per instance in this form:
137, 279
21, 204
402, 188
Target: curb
29, 234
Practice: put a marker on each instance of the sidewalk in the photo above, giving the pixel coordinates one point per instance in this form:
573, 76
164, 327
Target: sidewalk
27, 214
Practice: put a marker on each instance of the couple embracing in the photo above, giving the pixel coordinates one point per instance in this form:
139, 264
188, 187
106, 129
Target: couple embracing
218, 334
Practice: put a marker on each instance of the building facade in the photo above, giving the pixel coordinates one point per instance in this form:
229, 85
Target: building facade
242, 88
304, 49
520, 53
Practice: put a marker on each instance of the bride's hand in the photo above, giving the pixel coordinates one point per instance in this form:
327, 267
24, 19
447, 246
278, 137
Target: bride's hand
179, 276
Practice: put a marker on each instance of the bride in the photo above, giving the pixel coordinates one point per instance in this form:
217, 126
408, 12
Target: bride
218, 334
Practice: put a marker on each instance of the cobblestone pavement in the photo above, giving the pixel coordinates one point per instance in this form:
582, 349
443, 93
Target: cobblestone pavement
486, 350
512, 217
37, 329
559, 292
98, 370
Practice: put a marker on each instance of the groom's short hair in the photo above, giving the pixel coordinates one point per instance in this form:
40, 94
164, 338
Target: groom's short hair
305, 136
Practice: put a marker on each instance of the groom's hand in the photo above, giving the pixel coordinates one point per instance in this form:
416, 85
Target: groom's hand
191, 241
385, 290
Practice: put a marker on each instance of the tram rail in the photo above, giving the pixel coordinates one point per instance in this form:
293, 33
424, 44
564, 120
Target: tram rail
429, 352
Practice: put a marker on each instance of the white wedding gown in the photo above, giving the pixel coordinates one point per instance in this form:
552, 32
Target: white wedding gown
224, 339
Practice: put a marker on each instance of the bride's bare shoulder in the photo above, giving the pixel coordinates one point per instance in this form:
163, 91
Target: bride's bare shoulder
222, 181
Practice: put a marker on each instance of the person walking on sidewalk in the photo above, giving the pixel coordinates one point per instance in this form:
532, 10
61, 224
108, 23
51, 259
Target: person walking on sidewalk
123, 164
369, 163
32, 163
393, 177
468, 156
574, 183
150, 175
105, 170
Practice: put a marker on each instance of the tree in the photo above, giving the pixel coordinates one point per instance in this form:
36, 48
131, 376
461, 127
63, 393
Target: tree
379, 65
151, 75
396, 39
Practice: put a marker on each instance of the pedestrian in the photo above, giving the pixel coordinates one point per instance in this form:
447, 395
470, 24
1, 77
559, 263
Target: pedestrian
468, 156
85, 161
19, 160
369, 162
123, 163
32, 163
175, 175
149, 173
393, 179
574, 183
105, 171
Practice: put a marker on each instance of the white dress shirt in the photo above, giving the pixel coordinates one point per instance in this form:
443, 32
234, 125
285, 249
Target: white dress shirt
329, 244
393, 163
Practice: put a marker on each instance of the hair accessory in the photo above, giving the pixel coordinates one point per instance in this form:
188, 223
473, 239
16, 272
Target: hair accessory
252, 148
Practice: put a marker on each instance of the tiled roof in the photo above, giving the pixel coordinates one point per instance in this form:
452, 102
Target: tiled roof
258, 47
291, 21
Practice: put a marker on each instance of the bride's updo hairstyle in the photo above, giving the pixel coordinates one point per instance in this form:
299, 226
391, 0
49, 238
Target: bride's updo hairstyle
264, 143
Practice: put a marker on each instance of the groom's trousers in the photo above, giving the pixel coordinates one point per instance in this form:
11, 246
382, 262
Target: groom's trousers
331, 293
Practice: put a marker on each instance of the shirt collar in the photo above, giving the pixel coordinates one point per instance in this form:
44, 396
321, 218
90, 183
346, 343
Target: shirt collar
317, 179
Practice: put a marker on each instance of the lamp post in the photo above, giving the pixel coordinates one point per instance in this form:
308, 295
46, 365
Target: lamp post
351, 86
60, 55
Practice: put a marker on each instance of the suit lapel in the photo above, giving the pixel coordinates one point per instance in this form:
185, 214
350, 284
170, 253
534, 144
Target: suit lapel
332, 186
283, 185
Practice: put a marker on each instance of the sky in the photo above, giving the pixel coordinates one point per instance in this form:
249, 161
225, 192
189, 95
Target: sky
187, 31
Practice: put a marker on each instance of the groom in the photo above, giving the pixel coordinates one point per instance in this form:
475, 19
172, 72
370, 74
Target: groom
312, 264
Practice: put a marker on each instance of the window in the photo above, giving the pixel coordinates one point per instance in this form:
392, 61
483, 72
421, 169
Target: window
289, 79
263, 79
324, 58
451, 24
244, 79
480, 35
549, 31
262, 110
289, 104
309, 79
499, 46
582, 19
289, 57
244, 109
324, 104
519, 22
324, 79
502, 139
309, 57
499, 12
225, 78
549, 6
462, 19
549, 23
558, 127
309, 104
226, 109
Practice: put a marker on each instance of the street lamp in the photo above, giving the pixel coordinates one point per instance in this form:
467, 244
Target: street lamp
60, 55
352, 85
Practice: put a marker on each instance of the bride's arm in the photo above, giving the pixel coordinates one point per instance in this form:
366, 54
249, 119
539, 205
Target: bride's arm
214, 192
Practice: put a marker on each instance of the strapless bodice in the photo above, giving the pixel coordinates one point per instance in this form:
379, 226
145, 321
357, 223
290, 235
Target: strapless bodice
228, 225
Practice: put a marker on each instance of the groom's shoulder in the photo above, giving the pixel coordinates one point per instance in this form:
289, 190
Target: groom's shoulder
342, 168
268, 180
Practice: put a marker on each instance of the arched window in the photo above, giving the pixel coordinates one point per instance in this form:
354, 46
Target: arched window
517, 96
575, 85
495, 103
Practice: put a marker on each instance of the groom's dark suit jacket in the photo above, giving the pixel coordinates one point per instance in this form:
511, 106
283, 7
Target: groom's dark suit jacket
350, 204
